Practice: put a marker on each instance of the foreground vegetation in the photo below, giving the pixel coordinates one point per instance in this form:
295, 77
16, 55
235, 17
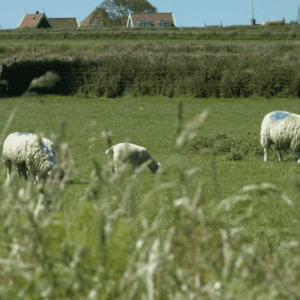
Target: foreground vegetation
215, 223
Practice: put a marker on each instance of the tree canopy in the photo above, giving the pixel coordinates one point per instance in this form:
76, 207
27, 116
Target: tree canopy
121, 8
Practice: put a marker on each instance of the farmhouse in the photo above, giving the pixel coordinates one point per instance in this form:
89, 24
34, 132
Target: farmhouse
151, 20
95, 19
39, 20
36, 20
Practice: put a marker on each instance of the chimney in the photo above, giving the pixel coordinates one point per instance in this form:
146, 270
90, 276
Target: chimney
37, 12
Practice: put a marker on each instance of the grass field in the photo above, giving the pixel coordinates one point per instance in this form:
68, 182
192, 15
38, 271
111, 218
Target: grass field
146, 121
206, 251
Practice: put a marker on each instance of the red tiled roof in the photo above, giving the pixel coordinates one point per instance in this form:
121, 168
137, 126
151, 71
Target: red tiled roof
95, 16
64, 23
30, 20
155, 17
87, 20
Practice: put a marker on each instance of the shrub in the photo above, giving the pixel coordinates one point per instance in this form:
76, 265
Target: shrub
249, 144
198, 85
235, 84
115, 86
234, 155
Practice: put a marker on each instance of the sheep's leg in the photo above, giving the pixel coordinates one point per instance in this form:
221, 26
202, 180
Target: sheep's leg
32, 176
298, 154
8, 173
265, 142
133, 168
279, 154
8, 166
36, 178
31, 171
115, 166
266, 153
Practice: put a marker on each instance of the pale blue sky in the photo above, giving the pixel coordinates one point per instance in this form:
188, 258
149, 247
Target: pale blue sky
187, 12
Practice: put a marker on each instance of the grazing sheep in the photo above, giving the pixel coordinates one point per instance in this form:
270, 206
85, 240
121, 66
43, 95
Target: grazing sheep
30, 155
282, 129
133, 154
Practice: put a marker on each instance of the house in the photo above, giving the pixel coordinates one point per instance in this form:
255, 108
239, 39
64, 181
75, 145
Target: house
151, 20
64, 23
36, 20
95, 19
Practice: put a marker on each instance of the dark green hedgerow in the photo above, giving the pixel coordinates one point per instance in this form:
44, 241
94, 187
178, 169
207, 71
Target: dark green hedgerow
165, 74
213, 77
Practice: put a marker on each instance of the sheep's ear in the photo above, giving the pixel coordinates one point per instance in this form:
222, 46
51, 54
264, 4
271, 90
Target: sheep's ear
159, 163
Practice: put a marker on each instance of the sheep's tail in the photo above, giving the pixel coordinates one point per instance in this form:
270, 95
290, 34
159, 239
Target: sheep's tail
108, 150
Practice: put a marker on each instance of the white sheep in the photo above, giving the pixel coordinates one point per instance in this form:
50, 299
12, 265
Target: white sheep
133, 154
32, 156
282, 129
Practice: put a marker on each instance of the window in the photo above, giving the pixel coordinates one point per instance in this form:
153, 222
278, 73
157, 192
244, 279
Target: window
164, 24
145, 24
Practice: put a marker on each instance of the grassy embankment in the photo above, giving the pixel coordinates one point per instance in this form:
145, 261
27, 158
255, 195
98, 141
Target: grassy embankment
208, 70
126, 236
79, 43
196, 33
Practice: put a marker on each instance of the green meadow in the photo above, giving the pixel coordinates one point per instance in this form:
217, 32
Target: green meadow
216, 222
152, 122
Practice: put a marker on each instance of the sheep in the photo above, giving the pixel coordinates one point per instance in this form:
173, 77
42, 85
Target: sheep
32, 156
282, 129
133, 154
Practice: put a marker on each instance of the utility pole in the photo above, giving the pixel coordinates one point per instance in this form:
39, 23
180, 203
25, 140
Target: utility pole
252, 20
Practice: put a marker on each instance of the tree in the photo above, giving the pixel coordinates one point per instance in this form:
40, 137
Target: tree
142, 6
117, 9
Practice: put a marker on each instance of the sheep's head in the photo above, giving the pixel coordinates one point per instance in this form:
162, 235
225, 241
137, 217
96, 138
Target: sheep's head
137, 158
153, 166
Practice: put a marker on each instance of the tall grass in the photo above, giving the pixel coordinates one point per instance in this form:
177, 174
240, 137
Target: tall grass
116, 241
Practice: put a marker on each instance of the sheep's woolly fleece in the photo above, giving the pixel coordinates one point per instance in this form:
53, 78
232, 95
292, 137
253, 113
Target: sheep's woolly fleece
282, 129
25, 148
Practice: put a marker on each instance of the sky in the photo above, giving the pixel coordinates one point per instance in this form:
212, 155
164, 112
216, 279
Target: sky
187, 13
